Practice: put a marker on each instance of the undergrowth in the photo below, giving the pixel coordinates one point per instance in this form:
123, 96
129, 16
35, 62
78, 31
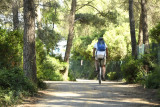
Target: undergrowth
14, 86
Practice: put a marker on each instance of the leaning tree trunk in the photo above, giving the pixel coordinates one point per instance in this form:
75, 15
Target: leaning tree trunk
15, 14
70, 36
145, 25
132, 29
29, 53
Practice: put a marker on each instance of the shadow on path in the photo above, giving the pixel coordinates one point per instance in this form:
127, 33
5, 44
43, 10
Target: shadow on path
88, 93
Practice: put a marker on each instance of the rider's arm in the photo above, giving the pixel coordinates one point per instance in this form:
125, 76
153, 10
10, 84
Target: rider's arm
94, 49
106, 52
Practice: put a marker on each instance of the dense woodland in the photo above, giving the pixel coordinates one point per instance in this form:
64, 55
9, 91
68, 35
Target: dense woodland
31, 29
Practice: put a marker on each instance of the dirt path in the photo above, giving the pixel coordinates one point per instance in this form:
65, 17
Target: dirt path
88, 93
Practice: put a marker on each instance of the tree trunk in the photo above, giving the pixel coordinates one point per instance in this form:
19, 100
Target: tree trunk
132, 29
140, 35
145, 30
70, 36
15, 14
29, 52
145, 26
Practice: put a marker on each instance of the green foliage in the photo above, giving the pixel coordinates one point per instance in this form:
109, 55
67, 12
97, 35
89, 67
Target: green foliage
155, 33
49, 37
137, 71
41, 84
149, 60
112, 75
71, 76
14, 79
57, 56
85, 45
14, 85
90, 19
50, 14
111, 16
11, 46
118, 41
50, 69
130, 69
40, 52
153, 79
47, 33
113, 70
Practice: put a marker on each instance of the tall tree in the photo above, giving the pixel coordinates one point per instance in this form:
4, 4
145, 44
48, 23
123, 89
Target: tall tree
132, 29
145, 30
15, 14
145, 25
140, 35
29, 54
70, 36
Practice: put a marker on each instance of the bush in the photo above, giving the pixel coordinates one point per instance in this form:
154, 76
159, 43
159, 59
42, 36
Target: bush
14, 85
11, 48
155, 33
50, 69
71, 76
41, 84
113, 70
153, 79
14, 79
149, 60
112, 76
41, 52
130, 70
139, 71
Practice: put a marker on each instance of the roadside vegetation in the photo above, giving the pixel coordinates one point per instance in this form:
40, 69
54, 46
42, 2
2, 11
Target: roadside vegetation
14, 85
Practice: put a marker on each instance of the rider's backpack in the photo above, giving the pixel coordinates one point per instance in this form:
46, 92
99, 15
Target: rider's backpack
101, 45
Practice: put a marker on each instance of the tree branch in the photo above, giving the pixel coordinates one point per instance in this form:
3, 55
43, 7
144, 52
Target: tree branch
84, 5
88, 4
